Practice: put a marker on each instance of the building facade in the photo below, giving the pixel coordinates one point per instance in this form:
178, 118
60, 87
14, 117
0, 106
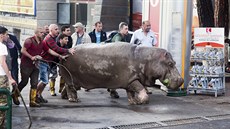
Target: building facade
21, 17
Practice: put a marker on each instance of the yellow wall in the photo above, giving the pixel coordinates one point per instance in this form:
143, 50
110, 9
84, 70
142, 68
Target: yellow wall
18, 6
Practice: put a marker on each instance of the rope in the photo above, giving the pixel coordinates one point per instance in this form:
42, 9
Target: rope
17, 90
71, 77
27, 111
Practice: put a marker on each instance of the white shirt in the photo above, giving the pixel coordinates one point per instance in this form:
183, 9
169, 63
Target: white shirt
3, 52
85, 39
149, 40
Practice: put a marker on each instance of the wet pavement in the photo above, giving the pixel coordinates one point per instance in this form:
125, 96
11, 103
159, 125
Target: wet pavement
98, 110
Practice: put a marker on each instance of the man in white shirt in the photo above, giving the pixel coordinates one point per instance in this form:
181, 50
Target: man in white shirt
80, 37
5, 76
144, 36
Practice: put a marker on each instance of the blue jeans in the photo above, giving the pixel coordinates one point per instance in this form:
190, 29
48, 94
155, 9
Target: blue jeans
43, 72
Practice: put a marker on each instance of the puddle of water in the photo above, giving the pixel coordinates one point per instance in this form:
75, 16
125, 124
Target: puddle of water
60, 120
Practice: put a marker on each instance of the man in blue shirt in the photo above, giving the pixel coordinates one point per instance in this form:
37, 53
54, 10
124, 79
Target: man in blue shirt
97, 35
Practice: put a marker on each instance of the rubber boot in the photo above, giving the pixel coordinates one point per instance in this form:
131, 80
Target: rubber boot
62, 84
52, 87
33, 94
15, 96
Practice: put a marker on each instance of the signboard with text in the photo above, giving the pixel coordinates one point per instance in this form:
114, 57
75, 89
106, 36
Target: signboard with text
18, 6
212, 37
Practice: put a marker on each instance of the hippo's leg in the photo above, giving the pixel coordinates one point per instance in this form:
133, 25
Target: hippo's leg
72, 94
141, 97
147, 91
113, 93
131, 97
64, 93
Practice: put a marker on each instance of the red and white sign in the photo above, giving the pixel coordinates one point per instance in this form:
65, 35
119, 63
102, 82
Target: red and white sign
154, 17
209, 37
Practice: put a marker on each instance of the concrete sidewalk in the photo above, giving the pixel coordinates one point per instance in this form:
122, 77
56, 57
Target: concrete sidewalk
98, 110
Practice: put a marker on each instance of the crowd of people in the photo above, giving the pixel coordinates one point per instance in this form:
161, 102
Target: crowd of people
40, 52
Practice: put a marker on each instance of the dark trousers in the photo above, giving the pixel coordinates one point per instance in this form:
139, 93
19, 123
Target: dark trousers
26, 73
14, 69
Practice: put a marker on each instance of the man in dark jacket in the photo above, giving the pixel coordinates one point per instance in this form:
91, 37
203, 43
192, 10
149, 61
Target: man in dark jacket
66, 30
15, 50
97, 35
123, 34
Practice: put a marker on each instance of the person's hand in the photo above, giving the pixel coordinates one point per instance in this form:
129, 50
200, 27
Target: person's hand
71, 51
64, 57
33, 58
12, 81
37, 57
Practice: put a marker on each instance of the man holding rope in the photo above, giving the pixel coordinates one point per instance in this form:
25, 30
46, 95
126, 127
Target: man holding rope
31, 51
44, 66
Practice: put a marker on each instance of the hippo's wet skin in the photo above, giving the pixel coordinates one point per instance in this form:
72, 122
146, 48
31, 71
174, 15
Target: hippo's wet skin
119, 65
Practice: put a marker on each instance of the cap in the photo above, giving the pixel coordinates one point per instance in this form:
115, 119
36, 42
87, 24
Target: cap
78, 24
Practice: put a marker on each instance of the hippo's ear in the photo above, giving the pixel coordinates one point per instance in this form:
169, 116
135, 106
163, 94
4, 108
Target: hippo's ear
165, 55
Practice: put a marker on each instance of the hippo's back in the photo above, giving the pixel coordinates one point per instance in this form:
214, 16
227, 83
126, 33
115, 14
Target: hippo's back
112, 65
101, 66
120, 49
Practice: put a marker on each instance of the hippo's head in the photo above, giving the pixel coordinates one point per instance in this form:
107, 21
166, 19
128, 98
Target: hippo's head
165, 70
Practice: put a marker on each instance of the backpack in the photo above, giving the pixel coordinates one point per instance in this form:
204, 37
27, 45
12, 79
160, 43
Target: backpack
109, 40
127, 38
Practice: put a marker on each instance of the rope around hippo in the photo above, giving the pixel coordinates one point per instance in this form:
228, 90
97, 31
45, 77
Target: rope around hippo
71, 77
17, 90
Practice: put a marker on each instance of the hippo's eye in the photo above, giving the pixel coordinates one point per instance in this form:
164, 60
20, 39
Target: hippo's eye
170, 64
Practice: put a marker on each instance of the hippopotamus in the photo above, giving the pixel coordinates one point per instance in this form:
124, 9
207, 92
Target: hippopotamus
119, 65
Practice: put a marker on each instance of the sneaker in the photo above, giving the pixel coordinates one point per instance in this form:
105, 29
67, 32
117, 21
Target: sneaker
40, 99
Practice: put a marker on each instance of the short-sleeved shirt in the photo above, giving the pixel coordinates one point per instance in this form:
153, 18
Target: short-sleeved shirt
149, 40
3, 52
33, 48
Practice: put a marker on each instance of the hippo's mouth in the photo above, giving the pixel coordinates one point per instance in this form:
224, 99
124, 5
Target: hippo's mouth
173, 84
164, 79
166, 82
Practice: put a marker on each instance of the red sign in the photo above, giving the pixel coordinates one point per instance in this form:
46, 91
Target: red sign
154, 17
137, 18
